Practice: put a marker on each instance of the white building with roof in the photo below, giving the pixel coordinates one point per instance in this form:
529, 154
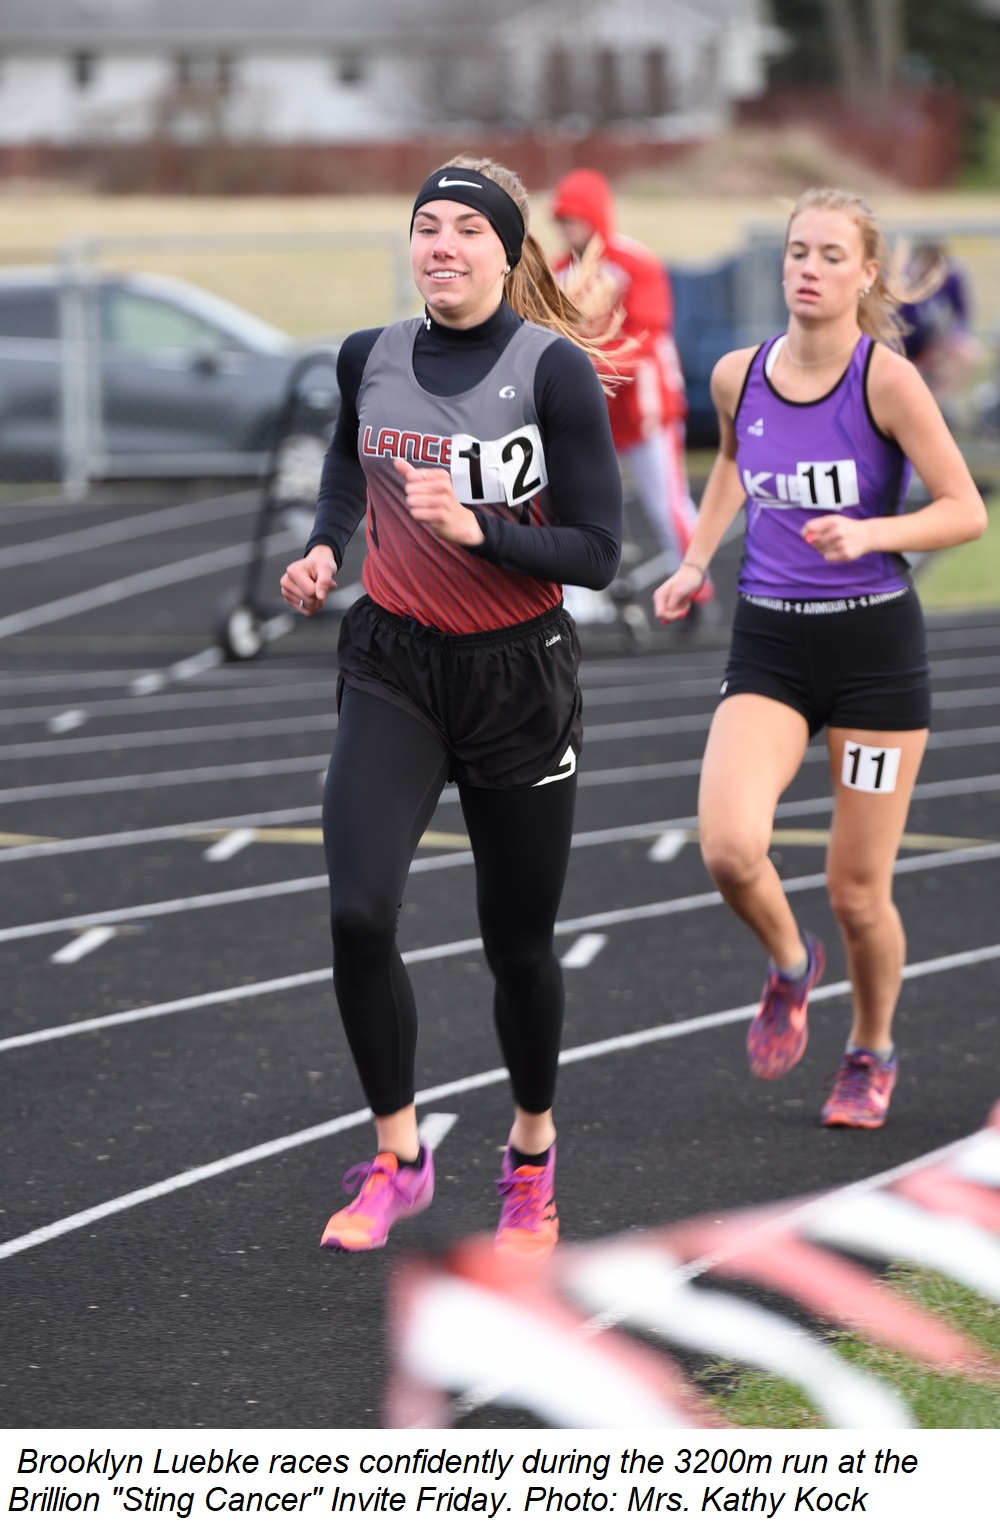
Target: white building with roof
335, 71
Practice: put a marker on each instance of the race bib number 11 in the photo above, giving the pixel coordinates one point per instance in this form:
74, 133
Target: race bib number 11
869, 768
828, 486
510, 469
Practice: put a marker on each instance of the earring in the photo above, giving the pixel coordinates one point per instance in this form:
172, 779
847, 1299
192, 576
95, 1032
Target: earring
506, 270
865, 291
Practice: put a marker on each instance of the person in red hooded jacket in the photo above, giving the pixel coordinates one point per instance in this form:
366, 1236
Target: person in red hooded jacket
609, 275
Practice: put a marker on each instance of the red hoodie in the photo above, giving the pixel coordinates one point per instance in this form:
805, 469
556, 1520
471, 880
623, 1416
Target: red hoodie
652, 390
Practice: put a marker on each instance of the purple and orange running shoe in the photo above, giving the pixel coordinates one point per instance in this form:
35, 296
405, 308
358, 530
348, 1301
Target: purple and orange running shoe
388, 1192
779, 1032
529, 1225
861, 1090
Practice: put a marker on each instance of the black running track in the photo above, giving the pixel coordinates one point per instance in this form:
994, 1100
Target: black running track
168, 1007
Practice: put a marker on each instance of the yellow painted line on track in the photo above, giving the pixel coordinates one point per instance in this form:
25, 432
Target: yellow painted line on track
441, 839
445, 840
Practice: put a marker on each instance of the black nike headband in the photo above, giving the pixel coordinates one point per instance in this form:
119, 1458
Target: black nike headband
456, 184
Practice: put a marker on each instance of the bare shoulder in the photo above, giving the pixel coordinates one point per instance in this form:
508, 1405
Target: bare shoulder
728, 377
894, 387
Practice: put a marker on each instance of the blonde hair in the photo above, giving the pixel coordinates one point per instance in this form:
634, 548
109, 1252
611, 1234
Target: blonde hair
878, 307
530, 288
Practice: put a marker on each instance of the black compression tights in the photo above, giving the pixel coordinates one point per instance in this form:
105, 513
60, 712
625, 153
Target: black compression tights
387, 773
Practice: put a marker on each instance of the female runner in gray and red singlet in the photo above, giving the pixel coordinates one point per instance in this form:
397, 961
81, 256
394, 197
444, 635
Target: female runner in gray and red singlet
819, 427
477, 440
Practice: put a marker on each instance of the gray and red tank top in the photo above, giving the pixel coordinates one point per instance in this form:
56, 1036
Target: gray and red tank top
799, 461
489, 440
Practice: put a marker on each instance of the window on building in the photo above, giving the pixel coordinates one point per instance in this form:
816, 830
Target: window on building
657, 83
609, 103
84, 69
350, 69
559, 84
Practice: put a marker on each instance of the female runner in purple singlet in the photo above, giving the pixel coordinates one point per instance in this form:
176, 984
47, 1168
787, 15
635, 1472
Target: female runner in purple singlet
819, 429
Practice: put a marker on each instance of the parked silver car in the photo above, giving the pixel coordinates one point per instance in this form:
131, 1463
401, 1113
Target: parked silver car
165, 380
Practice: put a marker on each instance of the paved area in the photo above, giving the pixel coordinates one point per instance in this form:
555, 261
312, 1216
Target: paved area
178, 1104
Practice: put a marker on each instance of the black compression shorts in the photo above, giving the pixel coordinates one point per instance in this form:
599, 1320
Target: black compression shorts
505, 704
861, 665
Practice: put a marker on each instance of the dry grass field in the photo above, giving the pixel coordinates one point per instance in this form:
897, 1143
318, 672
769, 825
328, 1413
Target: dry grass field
694, 214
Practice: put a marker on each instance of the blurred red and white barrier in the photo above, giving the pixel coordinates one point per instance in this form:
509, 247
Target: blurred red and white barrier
473, 1328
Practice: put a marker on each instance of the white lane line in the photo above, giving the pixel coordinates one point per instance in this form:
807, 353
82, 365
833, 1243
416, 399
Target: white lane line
141, 782
924, 863
62, 544
434, 1093
461, 948
72, 718
230, 845
189, 831
87, 942
435, 1127
798, 808
139, 584
319, 692
668, 846
311, 722
584, 950
147, 739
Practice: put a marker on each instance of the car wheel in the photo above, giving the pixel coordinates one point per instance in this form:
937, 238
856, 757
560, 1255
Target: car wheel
241, 632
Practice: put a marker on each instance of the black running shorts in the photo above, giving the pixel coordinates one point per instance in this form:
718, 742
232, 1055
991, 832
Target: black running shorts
860, 663
505, 704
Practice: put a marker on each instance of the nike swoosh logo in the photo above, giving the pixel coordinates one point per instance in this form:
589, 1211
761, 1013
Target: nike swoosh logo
444, 181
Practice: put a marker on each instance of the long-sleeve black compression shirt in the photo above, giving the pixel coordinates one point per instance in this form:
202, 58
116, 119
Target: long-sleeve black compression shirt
584, 482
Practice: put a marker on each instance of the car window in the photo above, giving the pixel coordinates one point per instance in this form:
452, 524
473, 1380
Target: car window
28, 314
139, 323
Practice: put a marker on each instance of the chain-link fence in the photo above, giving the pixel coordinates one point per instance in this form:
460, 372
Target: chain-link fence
168, 356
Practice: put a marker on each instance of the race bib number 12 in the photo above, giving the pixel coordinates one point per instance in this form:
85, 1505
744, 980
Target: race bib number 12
510, 469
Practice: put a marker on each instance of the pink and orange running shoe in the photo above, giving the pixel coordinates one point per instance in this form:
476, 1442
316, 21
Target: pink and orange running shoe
388, 1192
861, 1091
779, 1032
529, 1225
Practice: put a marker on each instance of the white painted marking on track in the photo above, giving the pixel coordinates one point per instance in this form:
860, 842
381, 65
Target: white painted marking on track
207, 659
668, 846
72, 718
435, 1127
144, 782
931, 861
230, 845
61, 544
88, 941
473, 944
443, 1092
138, 585
144, 686
165, 738
584, 950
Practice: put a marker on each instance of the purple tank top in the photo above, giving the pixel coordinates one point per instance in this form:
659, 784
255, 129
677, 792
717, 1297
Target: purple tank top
797, 461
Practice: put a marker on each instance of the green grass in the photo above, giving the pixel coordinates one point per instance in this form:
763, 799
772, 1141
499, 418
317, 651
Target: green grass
968, 576
938, 1400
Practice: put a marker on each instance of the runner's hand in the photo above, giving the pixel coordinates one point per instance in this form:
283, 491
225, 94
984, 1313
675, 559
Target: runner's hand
431, 499
672, 599
838, 538
306, 584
